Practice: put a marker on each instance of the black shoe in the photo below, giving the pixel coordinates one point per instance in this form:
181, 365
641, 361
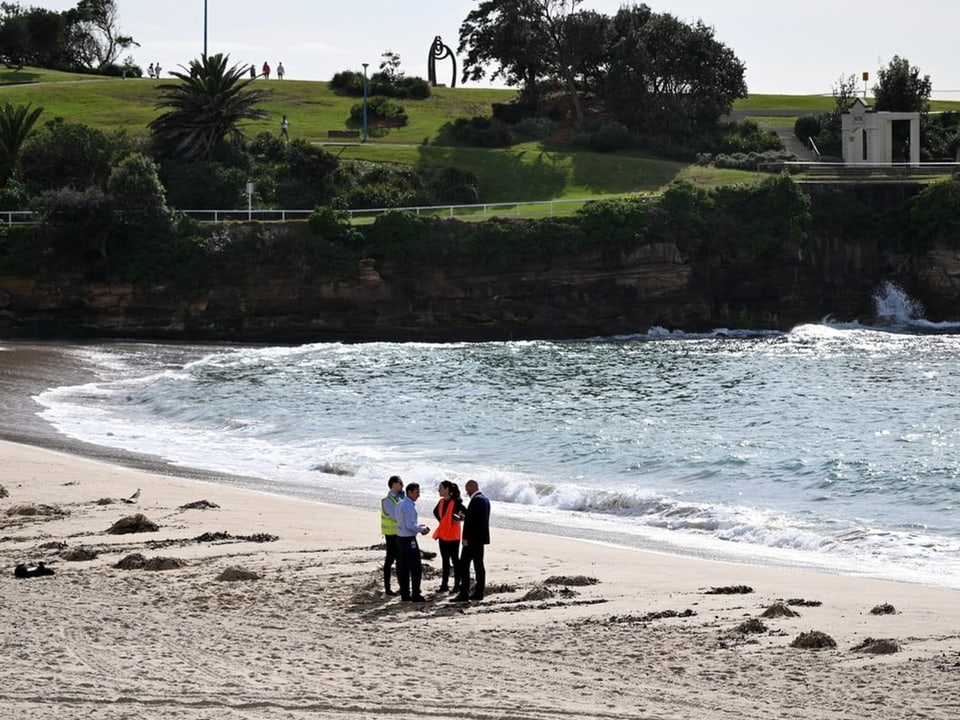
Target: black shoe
455, 590
459, 599
443, 588
475, 596
388, 591
405, 598
418, 599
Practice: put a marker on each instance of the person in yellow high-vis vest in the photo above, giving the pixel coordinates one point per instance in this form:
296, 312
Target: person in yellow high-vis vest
388, 527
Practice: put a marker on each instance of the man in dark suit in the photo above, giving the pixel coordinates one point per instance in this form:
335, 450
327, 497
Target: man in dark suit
474, 536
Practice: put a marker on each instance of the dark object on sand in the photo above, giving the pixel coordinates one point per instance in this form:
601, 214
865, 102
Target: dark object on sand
3, 492
813, 640
199, 505
779, 610
79, 554
134, 561
803, 603
133, 524
29, 571
730, 590
751, 626
881, 646
234, 574
164, 563
571, 580
884, 609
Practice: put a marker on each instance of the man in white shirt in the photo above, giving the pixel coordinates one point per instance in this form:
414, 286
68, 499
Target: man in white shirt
408, 551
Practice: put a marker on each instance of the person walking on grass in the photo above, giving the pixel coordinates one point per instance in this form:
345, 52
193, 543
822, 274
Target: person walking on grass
409, 569
284, 128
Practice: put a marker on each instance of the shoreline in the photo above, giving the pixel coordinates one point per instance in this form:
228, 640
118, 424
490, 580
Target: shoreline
30, 367
568, 628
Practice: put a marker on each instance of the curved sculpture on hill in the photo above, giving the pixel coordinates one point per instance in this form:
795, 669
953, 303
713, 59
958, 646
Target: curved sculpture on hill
440, 51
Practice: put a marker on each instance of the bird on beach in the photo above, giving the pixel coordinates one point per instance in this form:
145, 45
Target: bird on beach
133, 498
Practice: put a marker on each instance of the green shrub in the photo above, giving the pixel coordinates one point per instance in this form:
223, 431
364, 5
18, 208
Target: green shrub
769, 161
610, 137
480, 132
933, 217
534, 128
204, 185
77, 223
807, 126
380, 109
747, 137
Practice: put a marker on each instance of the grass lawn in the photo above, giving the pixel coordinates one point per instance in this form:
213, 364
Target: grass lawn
524, 172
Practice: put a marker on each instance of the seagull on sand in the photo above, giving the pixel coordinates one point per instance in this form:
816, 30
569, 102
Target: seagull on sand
133, 498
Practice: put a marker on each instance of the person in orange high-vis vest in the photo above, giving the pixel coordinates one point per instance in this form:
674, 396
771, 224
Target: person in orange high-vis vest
449, 513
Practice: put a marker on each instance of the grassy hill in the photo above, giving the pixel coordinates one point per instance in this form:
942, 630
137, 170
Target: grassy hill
522, 172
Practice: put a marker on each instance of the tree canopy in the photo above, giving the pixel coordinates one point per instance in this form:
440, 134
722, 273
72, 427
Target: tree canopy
650, 70
901, 88
86, 37
205, 108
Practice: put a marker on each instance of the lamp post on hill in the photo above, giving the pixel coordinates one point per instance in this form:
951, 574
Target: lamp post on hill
365, 101
204, 28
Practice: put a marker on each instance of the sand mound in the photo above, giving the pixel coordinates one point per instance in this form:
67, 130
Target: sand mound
779, 610
134, 561
79, 554
884, 609
236, 574
163, 563
133, 524
813, 640
882, 646
571, 580
199, 505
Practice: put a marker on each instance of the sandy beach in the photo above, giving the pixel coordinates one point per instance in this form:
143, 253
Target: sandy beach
568, 629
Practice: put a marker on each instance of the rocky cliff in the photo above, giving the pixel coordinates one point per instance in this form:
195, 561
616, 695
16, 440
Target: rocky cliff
581, 295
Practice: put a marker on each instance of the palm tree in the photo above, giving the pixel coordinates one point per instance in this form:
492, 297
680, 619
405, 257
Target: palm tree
205, 108
15, 125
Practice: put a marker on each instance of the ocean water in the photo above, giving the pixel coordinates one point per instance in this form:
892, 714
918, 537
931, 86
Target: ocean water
835, 445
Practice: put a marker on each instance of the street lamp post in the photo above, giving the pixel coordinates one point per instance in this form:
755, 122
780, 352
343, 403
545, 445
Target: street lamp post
204, 28
365, 101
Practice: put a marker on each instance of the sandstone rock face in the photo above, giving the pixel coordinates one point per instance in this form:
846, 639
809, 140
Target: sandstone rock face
584, 295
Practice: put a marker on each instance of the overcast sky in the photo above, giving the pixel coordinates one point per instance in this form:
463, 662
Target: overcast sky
793, 47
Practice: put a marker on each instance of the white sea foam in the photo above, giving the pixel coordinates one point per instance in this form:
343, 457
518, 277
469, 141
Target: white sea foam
832, 445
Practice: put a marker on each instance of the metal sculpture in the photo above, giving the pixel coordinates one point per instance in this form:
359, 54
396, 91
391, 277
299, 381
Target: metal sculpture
440, 51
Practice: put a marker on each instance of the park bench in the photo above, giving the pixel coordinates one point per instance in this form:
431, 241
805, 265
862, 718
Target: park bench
342, 134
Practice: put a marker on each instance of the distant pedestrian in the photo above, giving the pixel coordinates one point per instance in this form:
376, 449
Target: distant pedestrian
253, 72
150, 70
156, 70
265, 70
280, 71
284, 128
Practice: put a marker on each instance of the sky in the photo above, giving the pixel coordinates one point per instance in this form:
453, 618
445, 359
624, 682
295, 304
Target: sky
795, 48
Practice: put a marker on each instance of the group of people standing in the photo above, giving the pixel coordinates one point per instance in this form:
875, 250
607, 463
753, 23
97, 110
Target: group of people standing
265, 71
153, 70
463, 531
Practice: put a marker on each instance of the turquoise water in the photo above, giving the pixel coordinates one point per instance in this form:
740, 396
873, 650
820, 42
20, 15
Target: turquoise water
834, 445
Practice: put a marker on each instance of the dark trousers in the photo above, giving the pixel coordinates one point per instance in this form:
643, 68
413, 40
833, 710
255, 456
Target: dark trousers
450, 556
389, 560
472, 553
408, 566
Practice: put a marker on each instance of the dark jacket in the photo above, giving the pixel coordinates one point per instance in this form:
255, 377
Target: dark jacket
476, 526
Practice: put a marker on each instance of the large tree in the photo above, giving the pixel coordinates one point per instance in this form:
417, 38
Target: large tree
205, 108
85, 37
669, 77
901, 88
97, 38
530, 41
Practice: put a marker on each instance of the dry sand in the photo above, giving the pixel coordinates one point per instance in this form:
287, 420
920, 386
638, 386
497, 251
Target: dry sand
313, 637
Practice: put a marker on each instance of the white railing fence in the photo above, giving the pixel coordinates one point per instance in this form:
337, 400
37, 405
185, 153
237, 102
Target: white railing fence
536, 208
